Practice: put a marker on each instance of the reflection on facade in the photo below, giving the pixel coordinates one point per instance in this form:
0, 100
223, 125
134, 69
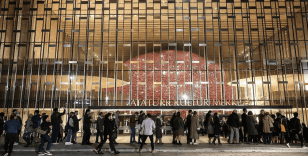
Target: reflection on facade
75, 54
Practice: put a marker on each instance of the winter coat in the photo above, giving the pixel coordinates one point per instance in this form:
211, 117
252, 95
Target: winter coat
217, 126
188, 122
244, 120
100, 123
180, 122
12, 126
158, 128
295, 124
108, 127
76, 123
56, 118
210, 125
28, 126
86, 120
36, 119
194, 124
132, 121
251, 125
261, 116
233, 120
267, 124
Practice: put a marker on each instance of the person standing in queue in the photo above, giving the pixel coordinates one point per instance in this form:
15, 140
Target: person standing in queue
295, 128
260, 126
244, 124
193, 128
188, 124
86, 128
133, 127
172, 127
159, 125
99, 127
76, 126
11, 127
28, 130
108, 133
217, 130
140, 119
148, 125
178, 124
36, 119
45, 126
55, 122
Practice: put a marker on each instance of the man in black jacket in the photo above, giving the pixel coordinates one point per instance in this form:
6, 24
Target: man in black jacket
86, 128
234, 123
244, 124
76, 126
55, 122
188, 124
260, 128
140, 119
295, 127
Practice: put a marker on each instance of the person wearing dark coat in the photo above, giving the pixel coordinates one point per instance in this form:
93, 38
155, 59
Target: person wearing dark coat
244, 124
234, 123
172, 127
76, 126
208, 125
260, 126
55, 122
178, 124
109, 129
158, 126
217, 130
295, 128
251, 128
11, 128
188, 123
140, 119
284, 130
36, 119
99, 126
45, 126
86, 128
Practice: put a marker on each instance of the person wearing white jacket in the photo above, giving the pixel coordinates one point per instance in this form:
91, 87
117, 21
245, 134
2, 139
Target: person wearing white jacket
70, 125
147, 125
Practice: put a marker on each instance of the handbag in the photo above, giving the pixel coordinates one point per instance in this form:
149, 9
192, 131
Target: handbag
114, 135
40, 131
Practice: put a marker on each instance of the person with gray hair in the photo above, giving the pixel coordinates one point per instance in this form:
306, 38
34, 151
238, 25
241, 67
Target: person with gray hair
234, 123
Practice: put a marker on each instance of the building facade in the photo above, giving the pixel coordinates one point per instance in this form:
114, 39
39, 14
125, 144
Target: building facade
169, 54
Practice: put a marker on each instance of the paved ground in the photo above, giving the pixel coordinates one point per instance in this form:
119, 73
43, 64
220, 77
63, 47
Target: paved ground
161, 154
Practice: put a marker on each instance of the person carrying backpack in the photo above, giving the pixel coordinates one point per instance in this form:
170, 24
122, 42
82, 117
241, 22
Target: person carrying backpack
295, 128
55, 122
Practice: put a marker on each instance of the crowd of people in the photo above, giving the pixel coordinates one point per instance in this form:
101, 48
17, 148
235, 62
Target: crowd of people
245, 128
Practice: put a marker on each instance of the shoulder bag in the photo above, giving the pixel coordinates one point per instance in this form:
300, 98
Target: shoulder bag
40, 131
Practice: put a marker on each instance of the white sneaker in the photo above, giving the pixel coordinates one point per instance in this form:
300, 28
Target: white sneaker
6, 154
47, 153
288, 145
41, 153
68, 143
304, 146
196, 143
190, 143
16, 143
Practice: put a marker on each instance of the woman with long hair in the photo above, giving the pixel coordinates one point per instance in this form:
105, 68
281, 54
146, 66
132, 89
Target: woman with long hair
217, 130
178, 124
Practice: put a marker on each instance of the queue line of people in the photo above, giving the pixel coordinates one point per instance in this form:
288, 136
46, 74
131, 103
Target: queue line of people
40, 126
